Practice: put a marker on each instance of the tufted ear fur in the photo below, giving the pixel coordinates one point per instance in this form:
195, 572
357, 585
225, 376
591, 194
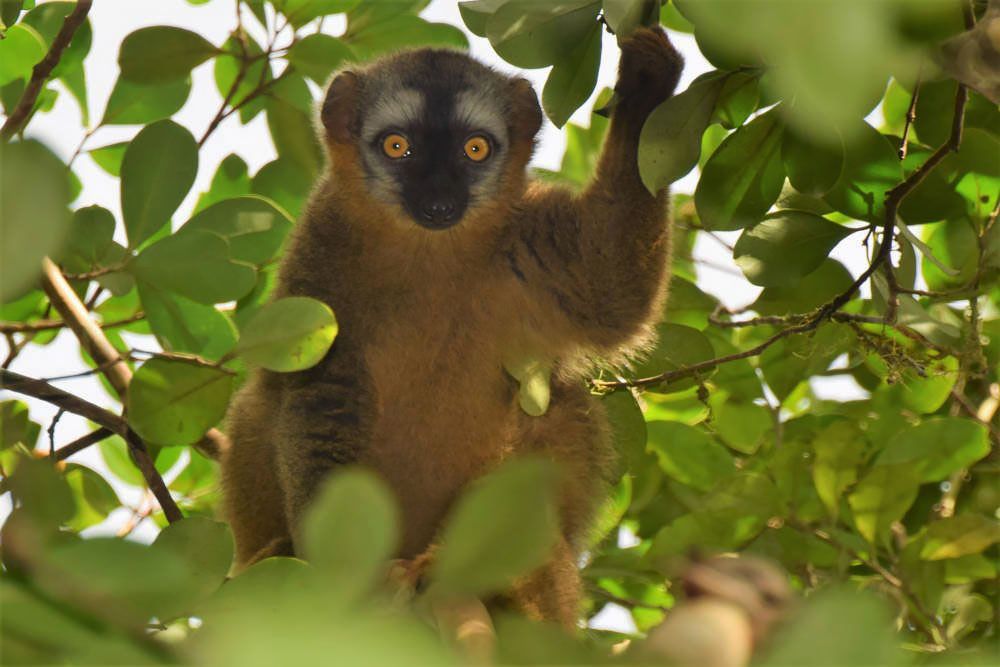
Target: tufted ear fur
339, 111
526, 113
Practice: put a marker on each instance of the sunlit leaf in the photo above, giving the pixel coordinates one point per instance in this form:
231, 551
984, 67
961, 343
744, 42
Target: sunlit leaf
159, 54
959, 536
786, 246
289, 334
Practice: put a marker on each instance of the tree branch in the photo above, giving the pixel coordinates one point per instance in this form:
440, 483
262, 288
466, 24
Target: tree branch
48, 325
109, 420
830, 311
100, 349
82, 443
40, 74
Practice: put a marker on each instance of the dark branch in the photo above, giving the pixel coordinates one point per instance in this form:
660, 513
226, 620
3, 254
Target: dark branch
82, 443
109, 420
40, 74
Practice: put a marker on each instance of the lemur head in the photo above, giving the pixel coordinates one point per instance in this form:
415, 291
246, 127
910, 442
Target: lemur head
433, 131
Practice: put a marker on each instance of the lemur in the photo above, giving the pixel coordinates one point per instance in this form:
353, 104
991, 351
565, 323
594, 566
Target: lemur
441, 257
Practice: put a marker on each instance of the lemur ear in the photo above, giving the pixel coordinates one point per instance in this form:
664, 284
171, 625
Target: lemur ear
339, 111
526, 113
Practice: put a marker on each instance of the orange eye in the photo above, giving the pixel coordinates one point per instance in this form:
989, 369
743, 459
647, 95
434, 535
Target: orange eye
395, 146
477, 148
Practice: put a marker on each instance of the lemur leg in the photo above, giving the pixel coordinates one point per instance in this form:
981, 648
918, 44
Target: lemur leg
253, 500
574, 434
321, 425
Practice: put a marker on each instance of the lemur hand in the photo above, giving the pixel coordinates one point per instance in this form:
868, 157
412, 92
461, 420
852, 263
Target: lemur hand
648, 71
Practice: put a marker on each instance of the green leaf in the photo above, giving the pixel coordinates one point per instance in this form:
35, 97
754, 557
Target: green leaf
572, 79
109, 158
959, 536
195, 264
115, 455
300, 12
793, 360
871, 168
34, 220
205, 548
688, 455
626, 16
231, 180
157, 171
401, 31
741, 426
882, 497
317, 56
737, 100
48, 19
840, 450
20, 49
9, 11
175, 402
284, 182
786, 246
257, 72
670, 142
743, 177
813, 168
503, 527
837, 627
476, 14
926, 394
254, 227
134, 103
953, 257
182, 325
538, 34
160, 54
628, 427
90, 235
937, 447
351, 530
16, 426
808, 293
677, 346
95, 498
289, 334
291, 130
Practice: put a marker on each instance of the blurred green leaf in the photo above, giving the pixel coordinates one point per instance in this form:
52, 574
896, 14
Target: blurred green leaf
16, 425
160, 54
289, 334
813, 169
882, 497
90, 235
205, 549
628, 428
840, 450
34, 219
182, 325
300, 12
626, 16
350, 531
741, 426
109, 158
400, 31
231, 180
811, 291
175, 402
256, 72
937, 447
677, 346
20, 49
476, 14
94, 497
959, 536
317, 56
786, 246
157, 171
688, 454
504, 526
737, 100
284, 182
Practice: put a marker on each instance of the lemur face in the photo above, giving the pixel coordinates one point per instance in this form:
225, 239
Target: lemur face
435, 135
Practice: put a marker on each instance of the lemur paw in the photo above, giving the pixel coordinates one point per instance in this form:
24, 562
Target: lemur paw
649, 68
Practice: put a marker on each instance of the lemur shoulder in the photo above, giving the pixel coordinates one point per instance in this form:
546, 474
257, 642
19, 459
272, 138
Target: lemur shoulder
440, 258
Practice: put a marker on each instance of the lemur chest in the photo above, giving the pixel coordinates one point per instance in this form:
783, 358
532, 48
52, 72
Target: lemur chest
445, 410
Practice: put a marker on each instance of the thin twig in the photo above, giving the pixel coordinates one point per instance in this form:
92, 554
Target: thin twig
911, 117
48, 325
40, 74
70, 403
52, 430
81, 443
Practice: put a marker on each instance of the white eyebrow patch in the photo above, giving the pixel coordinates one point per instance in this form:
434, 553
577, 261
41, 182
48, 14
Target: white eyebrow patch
403, 107
476, 109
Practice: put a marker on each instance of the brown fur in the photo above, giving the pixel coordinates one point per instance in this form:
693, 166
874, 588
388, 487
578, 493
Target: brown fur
414, 386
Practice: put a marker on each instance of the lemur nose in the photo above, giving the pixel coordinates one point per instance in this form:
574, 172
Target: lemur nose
439, 211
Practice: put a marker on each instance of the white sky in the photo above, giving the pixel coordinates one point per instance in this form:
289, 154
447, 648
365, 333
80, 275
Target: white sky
62, 130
